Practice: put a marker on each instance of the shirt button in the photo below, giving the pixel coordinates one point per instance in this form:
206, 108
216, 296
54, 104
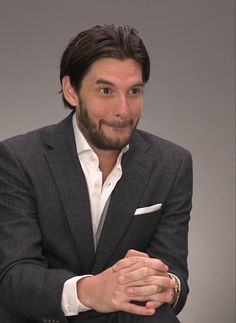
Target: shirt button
68, 307
97, 184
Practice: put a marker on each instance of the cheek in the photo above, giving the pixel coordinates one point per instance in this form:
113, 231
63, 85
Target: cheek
136, 109
102, 109
96, 109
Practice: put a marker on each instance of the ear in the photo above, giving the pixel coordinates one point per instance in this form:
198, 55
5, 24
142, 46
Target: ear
69, 93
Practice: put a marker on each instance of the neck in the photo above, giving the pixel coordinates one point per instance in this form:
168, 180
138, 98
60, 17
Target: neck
107, 160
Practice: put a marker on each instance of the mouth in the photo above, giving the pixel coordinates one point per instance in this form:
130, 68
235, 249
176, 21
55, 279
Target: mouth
117, 126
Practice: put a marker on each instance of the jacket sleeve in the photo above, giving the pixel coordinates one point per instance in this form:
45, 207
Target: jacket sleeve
28, 288
170, 241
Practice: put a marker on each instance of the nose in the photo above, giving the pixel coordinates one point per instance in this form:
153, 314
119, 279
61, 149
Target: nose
122, 106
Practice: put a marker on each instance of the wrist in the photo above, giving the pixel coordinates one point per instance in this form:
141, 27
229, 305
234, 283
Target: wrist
176, 289
84, 289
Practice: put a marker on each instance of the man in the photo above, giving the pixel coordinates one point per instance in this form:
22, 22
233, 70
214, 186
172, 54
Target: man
94, 213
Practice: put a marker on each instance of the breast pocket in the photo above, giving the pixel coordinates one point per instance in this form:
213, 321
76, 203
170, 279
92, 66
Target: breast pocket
148, 209
141, 229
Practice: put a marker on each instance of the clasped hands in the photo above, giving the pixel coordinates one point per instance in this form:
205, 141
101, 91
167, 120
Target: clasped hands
135, 278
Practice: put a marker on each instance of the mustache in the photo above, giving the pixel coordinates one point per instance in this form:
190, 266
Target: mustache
116, 124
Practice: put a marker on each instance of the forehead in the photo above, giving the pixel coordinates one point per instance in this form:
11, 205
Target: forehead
127, 71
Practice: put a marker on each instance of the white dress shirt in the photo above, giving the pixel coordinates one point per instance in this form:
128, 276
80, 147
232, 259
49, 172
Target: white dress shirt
99, 195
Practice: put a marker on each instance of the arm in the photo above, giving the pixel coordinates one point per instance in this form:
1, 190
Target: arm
27, 286
170, 241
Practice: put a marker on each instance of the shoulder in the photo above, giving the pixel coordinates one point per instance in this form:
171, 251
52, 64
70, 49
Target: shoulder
21, 152
39, 139
162, 147
167, 158
28, 141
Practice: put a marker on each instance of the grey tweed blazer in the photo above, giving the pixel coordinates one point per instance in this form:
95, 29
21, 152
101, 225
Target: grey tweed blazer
45, 224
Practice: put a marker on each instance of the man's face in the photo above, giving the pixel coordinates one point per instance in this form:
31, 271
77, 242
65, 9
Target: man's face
110, 102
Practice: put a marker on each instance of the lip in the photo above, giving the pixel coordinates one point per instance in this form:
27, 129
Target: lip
119, 129
118, 125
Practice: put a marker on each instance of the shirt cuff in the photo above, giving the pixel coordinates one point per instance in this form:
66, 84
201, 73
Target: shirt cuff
70, 303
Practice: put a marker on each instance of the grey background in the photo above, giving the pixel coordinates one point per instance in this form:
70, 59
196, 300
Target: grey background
189, 100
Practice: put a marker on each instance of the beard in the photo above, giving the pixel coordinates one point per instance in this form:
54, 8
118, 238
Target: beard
96, 136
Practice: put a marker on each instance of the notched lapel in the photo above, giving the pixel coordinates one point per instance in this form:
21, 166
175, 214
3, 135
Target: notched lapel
69, 178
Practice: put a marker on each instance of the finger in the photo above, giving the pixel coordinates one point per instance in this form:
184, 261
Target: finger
160, 280
132, 253
137, 309
136, 274
126, 262
153, 304
134, 278
162, 297
143, 290
148, 290
144, 268
155, 264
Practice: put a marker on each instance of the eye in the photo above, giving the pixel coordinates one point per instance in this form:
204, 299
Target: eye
135, 91
105, 90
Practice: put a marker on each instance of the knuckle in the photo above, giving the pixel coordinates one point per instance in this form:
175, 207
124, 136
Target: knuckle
146, 261
114, 303
148, 279
131, 291
144, 271
130, 252
158, 289
160, 264
167, 297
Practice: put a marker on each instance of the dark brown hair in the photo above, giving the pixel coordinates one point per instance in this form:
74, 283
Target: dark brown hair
102, 41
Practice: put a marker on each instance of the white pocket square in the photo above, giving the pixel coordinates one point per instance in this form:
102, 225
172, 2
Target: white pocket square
148, 209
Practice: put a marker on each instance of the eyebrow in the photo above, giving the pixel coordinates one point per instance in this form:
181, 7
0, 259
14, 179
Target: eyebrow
104, 81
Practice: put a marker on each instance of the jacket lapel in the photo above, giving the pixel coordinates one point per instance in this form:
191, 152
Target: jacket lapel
64, 163
124, 201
